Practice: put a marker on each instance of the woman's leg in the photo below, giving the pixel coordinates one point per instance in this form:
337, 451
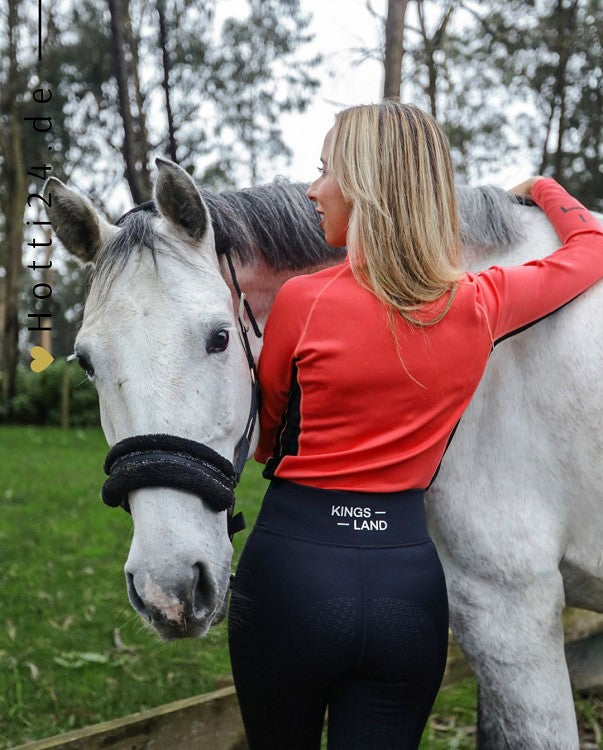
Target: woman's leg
288, 637
384, 704
326, 608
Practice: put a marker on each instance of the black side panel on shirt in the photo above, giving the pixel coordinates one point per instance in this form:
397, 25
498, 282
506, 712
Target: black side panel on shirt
498, 341
289, 429
533, 322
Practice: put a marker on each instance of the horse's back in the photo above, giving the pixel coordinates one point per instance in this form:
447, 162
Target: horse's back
522, 480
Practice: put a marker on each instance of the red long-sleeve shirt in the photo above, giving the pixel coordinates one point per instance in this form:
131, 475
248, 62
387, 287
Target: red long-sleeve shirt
340, 410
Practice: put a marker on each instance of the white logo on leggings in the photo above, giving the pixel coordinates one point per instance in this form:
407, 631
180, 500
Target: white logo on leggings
362, 518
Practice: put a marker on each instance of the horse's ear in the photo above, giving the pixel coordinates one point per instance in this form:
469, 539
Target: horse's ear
82, 231
178, 199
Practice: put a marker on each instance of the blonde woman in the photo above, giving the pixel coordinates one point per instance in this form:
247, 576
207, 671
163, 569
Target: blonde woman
339, 599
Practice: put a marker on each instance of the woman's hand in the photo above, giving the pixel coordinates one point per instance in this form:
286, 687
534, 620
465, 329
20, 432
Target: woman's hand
525, 188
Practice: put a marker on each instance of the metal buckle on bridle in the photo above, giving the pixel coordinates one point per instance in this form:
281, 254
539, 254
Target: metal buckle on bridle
171, 461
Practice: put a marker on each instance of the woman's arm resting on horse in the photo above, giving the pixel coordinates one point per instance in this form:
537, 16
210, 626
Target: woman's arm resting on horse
525, 187
516, 296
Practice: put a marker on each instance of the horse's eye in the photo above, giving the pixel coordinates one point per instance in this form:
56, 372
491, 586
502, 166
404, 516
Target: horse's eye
85, 365
218, 341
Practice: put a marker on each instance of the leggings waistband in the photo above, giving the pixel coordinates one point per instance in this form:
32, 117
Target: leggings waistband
358, 519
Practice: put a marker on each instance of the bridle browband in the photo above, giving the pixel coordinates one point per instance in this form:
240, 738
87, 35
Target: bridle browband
160, 460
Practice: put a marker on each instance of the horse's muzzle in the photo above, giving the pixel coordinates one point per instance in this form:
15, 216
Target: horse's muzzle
185, 609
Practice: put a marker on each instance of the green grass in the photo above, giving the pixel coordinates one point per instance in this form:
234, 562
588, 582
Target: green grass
453, 718
63, 595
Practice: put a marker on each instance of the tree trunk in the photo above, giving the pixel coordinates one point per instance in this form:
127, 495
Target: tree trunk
544, 156
16, 193
394, 48
141, 140
432, 85
558, 161
47, 278
565, 50
431, 44
428, 50
119, 66
166, 80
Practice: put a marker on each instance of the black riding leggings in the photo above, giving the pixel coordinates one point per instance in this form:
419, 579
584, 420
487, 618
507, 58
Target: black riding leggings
339, 600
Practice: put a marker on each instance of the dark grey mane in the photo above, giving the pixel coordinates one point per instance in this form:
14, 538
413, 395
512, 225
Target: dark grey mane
277, 223
487, 217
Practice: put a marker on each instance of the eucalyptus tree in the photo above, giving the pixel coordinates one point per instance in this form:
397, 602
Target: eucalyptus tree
524, 74
259, 76
549, 53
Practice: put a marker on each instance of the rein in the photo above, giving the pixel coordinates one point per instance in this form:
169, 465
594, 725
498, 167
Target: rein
161, 460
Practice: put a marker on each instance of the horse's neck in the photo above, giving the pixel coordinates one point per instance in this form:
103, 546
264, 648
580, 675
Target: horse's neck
260, 283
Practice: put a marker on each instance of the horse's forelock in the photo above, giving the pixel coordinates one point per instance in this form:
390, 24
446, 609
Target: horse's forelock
137, 231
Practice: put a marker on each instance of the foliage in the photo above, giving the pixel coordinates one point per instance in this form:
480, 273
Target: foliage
441, 73
214, 67
72, 651
38, 397
504, 78
549, 54
250, 99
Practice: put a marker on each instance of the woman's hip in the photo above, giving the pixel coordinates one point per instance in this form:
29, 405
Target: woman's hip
300, 565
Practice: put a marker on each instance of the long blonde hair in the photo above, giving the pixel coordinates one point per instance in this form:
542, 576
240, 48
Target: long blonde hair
392, 163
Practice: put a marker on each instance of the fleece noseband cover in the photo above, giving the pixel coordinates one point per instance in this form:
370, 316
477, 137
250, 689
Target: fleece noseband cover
168, 461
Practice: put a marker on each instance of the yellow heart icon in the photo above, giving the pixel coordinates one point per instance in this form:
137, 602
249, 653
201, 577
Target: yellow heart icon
40, 358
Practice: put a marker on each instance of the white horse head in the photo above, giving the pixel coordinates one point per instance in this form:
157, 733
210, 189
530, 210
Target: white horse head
159, 339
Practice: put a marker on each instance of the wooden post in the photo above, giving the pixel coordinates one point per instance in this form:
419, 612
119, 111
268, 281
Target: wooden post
65, 398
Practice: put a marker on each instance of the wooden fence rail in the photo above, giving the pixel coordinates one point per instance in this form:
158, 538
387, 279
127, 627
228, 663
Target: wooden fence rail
205, 722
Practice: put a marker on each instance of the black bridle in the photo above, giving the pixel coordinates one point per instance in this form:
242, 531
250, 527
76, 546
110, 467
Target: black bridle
160, 460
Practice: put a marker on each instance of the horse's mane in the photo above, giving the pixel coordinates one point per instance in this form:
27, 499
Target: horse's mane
487, 217
277, 223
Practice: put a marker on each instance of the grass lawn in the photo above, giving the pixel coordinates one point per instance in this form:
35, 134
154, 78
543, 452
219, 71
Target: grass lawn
72, 651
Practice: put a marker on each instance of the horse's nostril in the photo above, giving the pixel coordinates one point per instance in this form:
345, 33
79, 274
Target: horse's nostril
203, 591
135, 600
